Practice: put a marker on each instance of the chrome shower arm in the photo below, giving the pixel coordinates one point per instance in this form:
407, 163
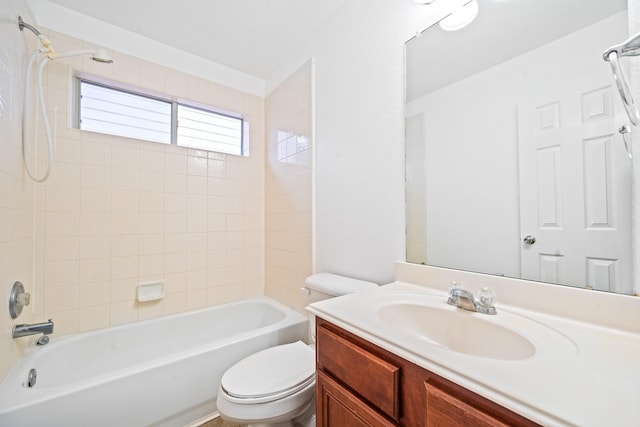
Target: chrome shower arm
22, 25
630, 47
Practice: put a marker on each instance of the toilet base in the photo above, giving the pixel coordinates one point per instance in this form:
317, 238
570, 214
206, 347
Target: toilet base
282, 424
305, 419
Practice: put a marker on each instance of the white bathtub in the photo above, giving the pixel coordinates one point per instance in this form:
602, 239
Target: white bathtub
160, 372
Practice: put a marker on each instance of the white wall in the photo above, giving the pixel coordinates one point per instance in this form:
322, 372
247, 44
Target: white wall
360, 221
634, 27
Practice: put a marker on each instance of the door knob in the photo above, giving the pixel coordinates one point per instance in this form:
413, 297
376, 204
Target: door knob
529, 240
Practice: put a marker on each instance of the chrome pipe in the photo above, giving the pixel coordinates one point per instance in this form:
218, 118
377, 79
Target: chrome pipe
22, 25
629, 47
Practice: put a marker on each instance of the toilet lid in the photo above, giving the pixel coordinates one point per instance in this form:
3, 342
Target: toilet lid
275, 372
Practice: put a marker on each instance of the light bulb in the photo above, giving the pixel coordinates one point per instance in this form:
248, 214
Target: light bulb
461, 17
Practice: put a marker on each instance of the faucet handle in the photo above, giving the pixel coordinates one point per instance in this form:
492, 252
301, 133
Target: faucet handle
23, 298
454, 287
486, 297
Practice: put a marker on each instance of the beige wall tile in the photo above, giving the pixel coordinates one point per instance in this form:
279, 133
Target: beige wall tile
124, 156
61, 249
125, 245
95, 223
175, 303
151, 265
61, 298
95, 200
288, 190
95, 294
66, 199
62, 224
151, 244
121, 290
93, 176
175, 163
197, 299
151, 181
93, 153
63, 273
65, 322
124, 267
123, 312
151, 223
92, 318
151, 202
94, 270
150, 309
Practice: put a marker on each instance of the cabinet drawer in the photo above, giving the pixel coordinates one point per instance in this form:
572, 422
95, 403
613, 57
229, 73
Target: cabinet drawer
374, 379
448, 404
444, 409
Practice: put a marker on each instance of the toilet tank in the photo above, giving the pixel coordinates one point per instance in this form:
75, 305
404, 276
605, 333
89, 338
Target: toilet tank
322, 286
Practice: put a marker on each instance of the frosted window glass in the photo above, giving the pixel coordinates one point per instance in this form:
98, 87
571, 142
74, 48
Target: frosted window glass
116, 112
209, 131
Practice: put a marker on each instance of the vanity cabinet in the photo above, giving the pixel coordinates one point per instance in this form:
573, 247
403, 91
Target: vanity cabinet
361, 384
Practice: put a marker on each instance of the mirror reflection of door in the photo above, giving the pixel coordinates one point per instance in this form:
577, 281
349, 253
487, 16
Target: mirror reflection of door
574, 185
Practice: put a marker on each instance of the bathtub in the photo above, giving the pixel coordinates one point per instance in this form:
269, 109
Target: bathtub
160, 372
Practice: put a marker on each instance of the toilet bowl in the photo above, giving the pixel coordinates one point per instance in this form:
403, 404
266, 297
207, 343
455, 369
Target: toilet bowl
276, 387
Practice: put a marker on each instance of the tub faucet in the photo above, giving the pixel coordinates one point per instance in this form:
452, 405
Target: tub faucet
464, 299
44, 328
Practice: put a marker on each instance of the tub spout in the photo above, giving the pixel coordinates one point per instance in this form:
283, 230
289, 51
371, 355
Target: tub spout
24, 330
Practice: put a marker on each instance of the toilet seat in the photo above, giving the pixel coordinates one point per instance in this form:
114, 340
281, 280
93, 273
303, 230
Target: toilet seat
270, 374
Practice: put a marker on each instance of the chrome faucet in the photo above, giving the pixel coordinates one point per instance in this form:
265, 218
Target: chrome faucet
464, 299
44, 328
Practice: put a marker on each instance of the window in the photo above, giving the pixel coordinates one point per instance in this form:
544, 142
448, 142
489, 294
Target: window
121, 112
199, 128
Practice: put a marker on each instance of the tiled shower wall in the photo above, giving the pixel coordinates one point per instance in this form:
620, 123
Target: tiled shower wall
289, 182
16, 192
117, 211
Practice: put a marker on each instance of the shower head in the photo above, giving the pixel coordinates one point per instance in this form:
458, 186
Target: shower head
98, 55
101, 55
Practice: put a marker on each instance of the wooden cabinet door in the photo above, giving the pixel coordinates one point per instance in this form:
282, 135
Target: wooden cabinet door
337, 407
446, 410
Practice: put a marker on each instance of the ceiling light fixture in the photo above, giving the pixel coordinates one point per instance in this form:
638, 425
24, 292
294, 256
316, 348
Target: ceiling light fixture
424, 1
461, 17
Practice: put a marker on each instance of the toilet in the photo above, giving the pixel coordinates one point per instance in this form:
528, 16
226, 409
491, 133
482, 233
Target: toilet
276, 387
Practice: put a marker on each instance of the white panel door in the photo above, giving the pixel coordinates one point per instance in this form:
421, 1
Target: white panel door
575, 189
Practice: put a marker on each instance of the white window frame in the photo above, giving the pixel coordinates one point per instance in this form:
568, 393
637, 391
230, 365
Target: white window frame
243, 146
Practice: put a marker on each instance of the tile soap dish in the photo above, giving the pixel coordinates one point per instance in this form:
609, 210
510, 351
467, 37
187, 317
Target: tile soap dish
150, 291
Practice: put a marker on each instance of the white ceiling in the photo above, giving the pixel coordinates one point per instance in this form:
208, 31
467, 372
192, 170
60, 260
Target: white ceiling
502, 30
251, 36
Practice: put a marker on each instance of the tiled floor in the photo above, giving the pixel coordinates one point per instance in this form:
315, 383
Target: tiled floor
218, 422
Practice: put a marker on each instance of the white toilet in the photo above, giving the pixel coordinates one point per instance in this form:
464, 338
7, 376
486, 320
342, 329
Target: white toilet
276, 387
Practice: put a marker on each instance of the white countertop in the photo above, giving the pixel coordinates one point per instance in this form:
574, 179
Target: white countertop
581, 374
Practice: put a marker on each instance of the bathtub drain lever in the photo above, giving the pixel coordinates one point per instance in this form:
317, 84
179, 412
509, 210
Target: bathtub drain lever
32, 377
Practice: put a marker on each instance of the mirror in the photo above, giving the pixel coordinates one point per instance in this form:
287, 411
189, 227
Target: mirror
514, 163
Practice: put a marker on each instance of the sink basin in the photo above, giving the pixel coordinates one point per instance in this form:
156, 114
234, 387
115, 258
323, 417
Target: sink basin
457, 330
